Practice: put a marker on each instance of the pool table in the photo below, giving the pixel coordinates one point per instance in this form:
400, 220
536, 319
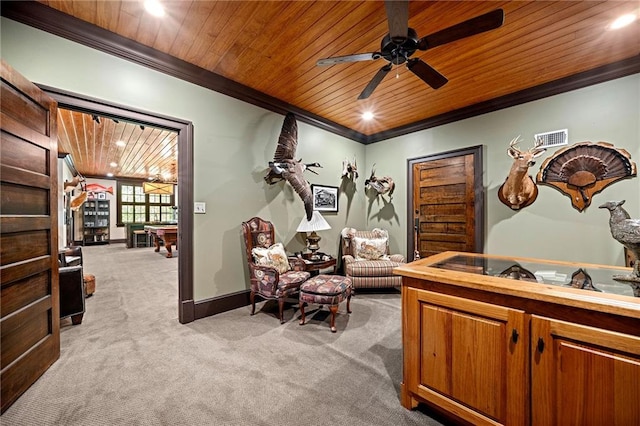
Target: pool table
167, 233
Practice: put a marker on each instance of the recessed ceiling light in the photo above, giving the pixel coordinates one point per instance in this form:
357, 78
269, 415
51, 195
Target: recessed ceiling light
113, 164
109, 174
154, 7
121, 143
623, 21
367, 115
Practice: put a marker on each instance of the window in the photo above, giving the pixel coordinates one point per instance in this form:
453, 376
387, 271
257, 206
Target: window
160, 207
134, 206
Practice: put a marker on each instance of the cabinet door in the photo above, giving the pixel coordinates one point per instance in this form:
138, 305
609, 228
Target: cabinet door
583, 375
467, 357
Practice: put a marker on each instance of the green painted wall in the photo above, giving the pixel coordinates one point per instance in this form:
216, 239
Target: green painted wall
234, 142
550, 228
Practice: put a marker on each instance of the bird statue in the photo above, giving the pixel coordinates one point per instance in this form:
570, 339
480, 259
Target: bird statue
627, 232
285, 167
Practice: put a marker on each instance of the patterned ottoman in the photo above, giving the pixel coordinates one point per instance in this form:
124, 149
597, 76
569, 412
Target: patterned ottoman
326, 290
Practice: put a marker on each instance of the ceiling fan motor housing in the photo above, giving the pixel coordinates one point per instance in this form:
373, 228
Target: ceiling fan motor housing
399, 53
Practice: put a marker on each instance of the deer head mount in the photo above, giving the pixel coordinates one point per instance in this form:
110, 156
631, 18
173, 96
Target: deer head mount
350, 169
519, 189
73, 183
381, 185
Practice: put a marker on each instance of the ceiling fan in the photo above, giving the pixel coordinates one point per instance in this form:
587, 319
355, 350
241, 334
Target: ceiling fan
401, 43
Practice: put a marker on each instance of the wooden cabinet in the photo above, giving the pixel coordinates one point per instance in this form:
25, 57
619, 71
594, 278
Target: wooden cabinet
95, 222
583, 375
495, 340
469, 356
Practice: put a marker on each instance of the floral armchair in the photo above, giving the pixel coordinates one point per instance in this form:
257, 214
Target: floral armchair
273, 275
366, 259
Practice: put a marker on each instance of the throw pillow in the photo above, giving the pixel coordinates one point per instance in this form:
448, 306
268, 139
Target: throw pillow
370, 248
274, 257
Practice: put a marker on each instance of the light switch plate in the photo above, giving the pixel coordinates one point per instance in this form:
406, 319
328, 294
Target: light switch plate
200, 208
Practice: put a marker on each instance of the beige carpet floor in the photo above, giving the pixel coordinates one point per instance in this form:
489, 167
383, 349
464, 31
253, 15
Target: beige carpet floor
132, 363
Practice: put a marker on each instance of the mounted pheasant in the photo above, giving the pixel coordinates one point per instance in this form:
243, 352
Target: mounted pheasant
285, 167
382, 185
519, 189
627, 232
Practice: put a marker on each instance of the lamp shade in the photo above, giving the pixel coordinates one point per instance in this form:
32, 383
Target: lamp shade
157, 188
317, 223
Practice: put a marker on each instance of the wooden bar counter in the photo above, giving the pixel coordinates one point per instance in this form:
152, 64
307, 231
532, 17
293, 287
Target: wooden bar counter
491, 340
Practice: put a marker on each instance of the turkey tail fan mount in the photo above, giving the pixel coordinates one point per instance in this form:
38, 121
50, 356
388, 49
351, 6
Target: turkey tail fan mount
285, 167
584, 169
402, 42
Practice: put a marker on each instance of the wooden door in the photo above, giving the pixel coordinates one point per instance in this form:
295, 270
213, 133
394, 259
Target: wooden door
583, 375
30, 323
469, 358
446, 203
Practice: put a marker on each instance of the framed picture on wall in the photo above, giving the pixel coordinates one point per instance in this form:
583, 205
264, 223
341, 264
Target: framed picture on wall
325, 198
102, 195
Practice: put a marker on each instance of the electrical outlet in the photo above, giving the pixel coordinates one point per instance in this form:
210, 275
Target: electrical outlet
200, 208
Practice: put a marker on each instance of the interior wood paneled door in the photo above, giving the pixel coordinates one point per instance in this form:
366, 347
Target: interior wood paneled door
446, 203
30, 323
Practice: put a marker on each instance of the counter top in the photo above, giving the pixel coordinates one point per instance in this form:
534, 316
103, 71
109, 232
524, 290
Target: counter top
567, 283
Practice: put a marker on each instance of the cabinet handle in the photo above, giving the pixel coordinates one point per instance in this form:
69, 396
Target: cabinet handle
540, 344
514, 335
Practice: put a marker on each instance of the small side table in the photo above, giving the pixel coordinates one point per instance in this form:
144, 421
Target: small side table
315, 266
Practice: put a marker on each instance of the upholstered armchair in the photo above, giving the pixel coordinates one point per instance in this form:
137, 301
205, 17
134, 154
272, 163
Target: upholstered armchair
72, 294
70, 256
273, 275
366, 259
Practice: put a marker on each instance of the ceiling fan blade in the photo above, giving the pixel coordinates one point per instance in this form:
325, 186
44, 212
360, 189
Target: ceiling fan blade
473, 26
375, 81
429, 75
398, 17
349, 58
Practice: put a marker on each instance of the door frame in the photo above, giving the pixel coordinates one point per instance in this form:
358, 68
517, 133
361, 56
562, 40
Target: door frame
478, 190
184, 128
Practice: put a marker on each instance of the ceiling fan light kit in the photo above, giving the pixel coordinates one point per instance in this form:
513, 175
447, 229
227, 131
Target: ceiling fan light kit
402, 42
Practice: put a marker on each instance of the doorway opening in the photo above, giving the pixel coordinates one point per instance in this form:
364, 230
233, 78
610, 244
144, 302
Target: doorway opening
184, 130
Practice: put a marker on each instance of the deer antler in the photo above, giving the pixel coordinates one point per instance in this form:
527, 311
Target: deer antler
536, 151
513, 151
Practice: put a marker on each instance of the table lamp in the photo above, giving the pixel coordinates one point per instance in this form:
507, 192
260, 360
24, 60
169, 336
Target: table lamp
317, 223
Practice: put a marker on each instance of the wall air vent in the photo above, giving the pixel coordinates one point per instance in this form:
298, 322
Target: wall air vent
555, 138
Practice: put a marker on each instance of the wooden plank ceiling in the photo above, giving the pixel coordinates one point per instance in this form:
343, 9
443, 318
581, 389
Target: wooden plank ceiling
101, 145
273, 46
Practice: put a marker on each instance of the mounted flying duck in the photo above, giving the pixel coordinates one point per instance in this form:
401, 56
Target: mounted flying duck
285, 167
381, 185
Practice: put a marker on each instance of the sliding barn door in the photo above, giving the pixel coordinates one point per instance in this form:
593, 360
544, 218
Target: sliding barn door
446, 203
30, 323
